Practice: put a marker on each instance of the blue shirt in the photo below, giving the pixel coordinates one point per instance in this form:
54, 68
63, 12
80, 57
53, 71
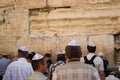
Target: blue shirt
4, 64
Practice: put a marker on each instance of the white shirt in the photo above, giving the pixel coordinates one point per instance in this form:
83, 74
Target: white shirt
112, 77
18, 70
97, 61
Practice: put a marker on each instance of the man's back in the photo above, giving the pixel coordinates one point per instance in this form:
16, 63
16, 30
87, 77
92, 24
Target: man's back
18, 70
97, 61
112, 77
37, 76
74, 71
3, 65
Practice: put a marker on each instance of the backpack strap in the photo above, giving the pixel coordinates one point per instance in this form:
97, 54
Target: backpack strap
90, 61
93, 58
50, 72
85, 58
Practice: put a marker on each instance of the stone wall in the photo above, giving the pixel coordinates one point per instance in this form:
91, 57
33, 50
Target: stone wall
50, 24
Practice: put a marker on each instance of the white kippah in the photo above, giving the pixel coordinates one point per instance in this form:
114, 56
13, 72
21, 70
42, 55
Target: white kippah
73, 43
91, 44
61, 52
37, 57
4, 54
23, 48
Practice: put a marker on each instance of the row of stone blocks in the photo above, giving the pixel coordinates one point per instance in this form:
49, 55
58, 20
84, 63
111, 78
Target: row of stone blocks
44, 3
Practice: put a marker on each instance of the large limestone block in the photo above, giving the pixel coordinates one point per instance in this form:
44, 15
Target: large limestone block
95, 22
39, 20
104, 43
6, 3
65, 14
98, 13
21, 4
17, 22
37, 4
84, 21
82, 13
30, 4
7, 45
99, 1
66, 30
38, 44
62, 42
61, 3
38, 23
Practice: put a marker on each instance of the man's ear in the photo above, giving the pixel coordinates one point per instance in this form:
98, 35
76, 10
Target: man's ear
66, 56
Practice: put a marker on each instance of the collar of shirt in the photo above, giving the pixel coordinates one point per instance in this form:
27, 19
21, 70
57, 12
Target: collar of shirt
90, 55
2, 58
111, 76
22, 60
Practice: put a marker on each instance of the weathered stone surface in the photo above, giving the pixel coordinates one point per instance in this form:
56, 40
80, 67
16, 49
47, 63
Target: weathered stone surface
81, 39
8, 45
21, 4
1, 16
95, 4
38, 44
37, 4
104, 43
45, 24
102, 13
17, 22
6, 3
38, 23
2, 29
99, 1
81, 13
30, 4
61, 3
77, 21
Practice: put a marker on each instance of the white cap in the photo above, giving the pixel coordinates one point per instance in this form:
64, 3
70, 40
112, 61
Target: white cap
73, 43
100, 54
63, 52
23, 48
91, 44
4, 54
37, 57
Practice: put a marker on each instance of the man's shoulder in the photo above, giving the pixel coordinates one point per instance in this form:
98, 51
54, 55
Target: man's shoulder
13, 63
98, 58
74, 65
36, 76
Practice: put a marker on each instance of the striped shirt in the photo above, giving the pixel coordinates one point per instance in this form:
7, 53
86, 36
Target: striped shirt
74, 71
59, 63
